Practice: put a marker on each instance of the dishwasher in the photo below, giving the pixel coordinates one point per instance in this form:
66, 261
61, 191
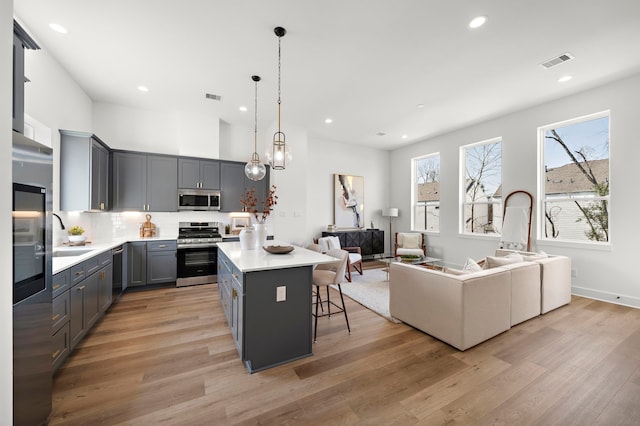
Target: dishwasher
119, 271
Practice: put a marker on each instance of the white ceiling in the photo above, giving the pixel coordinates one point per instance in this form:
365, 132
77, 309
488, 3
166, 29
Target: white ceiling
364, 63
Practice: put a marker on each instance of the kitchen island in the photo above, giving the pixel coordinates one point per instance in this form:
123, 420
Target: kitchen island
267, 301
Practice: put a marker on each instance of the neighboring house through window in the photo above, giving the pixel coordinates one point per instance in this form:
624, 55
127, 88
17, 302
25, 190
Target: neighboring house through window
481, 166
575, 186
426, 193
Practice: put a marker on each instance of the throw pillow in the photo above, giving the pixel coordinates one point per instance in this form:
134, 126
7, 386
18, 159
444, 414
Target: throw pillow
324, 244
471, 266
492, 261
334, 243
411, 241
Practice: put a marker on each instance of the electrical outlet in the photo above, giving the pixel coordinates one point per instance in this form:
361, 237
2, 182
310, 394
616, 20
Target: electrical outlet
281, 293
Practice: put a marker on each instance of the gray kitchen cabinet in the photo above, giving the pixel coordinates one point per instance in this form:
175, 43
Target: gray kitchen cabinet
18, 83
161, 262
199, 174
105, 285
231, 186
234, 184
60, 313
145, 182
137, 264
82, 294
152, 262
84, 310
84, 172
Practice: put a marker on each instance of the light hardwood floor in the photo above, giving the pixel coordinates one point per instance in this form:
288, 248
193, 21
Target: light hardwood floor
165, 356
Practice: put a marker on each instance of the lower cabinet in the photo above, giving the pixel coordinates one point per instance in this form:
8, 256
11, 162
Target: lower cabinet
152, 262
250, 297
81, 304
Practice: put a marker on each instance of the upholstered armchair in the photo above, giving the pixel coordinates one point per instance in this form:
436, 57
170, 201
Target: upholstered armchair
355, 254
409, 244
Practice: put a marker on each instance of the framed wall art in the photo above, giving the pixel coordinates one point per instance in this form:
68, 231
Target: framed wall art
348, 201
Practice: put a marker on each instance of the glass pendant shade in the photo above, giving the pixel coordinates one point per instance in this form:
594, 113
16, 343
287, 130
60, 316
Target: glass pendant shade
254, 169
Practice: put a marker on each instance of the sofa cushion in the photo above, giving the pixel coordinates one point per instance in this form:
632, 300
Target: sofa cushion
471, 266
493, 261
411, 241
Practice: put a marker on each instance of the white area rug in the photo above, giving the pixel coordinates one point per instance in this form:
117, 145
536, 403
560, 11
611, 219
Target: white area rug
371, 290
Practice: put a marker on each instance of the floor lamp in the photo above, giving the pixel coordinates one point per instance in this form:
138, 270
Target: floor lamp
391, 212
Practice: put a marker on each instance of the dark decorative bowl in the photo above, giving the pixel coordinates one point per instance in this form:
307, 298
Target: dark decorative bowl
278, 249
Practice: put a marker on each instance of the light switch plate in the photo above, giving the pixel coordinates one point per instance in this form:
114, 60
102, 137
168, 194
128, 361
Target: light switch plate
281, 293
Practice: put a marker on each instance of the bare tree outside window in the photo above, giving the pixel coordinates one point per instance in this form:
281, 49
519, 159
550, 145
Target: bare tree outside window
482, 179
576, 180
426, 189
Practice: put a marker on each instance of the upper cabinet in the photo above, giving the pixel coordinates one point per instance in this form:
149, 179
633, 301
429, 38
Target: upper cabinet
234, 184
198, 174
84, 172
21, 41
145, 182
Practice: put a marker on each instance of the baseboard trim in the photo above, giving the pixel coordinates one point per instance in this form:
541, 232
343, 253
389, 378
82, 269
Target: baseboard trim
618, 299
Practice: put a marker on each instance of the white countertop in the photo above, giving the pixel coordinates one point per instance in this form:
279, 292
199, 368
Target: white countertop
59, 264
260, 259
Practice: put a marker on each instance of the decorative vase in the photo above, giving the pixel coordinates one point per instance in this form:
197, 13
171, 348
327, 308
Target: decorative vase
77, 238
248, 238
261, 234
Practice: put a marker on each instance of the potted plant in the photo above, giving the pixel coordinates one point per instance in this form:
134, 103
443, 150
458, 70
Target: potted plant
75, 234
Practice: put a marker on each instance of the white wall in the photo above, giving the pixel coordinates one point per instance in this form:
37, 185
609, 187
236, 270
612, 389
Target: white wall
607, 274
160, 131
6, 263
326, 158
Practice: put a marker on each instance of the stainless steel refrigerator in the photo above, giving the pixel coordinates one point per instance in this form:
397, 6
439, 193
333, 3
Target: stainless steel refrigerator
32, 344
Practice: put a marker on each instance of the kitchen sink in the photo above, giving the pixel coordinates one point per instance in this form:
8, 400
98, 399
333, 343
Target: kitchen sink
70, 252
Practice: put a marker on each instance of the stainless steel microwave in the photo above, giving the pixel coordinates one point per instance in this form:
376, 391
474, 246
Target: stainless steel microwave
198, 199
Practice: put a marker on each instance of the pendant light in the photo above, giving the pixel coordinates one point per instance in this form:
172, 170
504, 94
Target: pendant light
254, 169
279, 156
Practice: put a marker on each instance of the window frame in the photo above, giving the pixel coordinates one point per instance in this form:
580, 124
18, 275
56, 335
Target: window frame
462, 192
414, 193
540, 207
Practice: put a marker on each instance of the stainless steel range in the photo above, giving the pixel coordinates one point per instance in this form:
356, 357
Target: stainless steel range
197, 253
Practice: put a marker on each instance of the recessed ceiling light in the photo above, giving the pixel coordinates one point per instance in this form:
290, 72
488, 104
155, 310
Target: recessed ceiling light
143, 88
420, 106
564, 79
380, 134
405, 136
477, 22
328, 120
58, 28
243, 108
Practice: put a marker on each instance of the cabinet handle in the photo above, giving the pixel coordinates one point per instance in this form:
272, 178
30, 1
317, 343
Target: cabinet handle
162, 246
56, 286
79, 273
55, 317
102, 274
101, 206
80, 288
234, 293
55, 354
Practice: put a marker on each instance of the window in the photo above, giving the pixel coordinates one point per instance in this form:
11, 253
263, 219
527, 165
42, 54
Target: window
481, 182
575, 174
426, 193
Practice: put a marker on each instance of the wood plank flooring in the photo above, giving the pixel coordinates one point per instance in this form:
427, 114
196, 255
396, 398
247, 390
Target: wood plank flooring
166, 356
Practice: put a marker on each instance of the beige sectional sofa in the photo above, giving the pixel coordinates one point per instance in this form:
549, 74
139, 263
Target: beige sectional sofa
464, 310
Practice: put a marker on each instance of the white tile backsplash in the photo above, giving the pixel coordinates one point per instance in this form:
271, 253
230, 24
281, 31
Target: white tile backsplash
108, 226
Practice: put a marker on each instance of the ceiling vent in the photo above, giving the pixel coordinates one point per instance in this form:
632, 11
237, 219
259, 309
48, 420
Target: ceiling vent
212, 96
557, 60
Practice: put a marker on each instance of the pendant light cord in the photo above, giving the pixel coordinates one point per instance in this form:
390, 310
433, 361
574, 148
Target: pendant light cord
255, 122
279, 56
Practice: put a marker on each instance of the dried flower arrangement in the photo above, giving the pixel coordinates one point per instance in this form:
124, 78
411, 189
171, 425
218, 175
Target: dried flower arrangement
250, 203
